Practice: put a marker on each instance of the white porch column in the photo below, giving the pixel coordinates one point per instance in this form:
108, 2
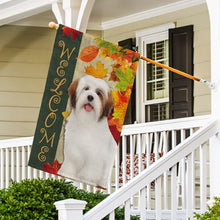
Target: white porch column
71, 9
69, 209
74, 13
214, 14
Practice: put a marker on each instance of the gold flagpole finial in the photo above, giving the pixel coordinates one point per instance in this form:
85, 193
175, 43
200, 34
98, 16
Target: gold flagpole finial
53, 25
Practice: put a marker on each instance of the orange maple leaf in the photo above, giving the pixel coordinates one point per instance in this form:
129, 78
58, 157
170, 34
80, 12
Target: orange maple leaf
120, 108
115, 122
134, 67
120, 97
99, 72
88, 53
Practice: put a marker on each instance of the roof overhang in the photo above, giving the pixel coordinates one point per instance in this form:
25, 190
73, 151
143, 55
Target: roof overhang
14, 10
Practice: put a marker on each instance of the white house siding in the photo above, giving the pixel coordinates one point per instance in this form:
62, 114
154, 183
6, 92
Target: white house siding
197, 16
25, 54
24, 59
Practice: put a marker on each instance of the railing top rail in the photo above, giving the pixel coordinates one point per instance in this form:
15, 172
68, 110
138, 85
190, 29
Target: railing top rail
16, 142
152, 172
166, 125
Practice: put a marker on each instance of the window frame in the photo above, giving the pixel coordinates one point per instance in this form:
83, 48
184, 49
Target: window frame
144, 37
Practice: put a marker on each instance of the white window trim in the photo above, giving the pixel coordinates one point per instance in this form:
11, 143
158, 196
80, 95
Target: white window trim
144, 37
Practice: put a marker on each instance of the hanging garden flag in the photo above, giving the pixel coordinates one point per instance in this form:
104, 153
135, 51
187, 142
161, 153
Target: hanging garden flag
83, 107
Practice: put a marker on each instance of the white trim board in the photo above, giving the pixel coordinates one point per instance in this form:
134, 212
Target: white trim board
151, 13
97, 25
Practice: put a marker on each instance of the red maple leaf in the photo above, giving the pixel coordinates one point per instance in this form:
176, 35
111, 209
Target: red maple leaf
69, 31
129, 55
52, 169
115, 132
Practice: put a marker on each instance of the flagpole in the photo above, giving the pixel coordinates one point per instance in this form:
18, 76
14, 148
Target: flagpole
209, 84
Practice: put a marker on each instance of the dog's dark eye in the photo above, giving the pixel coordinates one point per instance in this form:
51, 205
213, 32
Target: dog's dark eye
86, 88
99, 92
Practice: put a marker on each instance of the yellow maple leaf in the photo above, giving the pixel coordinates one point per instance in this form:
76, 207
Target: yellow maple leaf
120, 108
98, 72
105, 52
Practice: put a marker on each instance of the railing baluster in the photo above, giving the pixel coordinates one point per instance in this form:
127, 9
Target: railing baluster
174, 194
139, 161
183, 174
173, 136
29, 168
132, 149
193, 181
23, 162
41, 174
117, 169
158, 195
88, 188
12, 164
143, 204
124, 144
112, 216
35, 173
148, 164
189, 210
203, 177
174, 191
139, 153
164, 150
2, 168
156, 145
17, 164
7, 167
81, 186
193, 175
127, 211
47, 175
132, 163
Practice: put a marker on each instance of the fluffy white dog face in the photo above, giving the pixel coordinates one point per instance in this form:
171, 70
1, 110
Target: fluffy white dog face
91, 98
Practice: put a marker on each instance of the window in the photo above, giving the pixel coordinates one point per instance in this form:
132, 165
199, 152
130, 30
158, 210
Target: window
154, 80
157, 80
159, 94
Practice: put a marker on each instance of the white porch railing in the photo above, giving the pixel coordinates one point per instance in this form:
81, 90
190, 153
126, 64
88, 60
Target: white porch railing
157, 172
140, 146
14, 155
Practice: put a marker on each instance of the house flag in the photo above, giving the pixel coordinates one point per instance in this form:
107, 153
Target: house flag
82, 112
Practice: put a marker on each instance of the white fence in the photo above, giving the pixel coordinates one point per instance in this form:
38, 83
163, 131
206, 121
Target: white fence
141, 145
157, 172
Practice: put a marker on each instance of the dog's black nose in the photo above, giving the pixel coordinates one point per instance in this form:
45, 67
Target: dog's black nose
90, 98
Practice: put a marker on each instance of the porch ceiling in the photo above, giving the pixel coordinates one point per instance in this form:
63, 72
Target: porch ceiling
105, 14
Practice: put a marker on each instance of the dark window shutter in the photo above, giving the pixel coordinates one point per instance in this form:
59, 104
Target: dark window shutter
181, 58
130, 116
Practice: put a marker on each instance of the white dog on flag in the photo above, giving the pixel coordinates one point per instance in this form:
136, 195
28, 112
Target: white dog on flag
89, 147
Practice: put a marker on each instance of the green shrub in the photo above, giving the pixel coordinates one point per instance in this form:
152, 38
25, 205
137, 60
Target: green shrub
213, 212
34, 199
